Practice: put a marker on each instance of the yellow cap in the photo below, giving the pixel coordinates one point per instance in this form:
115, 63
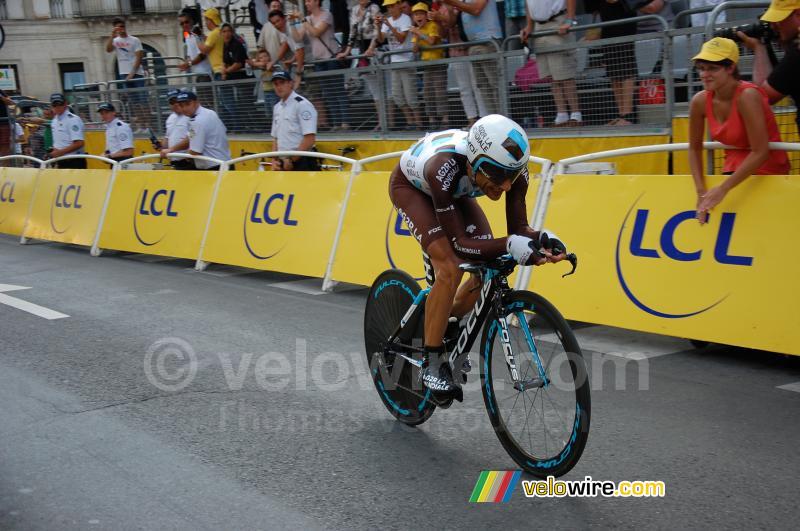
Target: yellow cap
390, 2
780, 9
213, 14
419, 6
718, 49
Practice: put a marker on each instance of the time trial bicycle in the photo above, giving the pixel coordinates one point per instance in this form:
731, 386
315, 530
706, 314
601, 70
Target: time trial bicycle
532, 372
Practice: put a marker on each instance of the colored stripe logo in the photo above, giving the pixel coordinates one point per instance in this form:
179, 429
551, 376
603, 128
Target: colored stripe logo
495, 486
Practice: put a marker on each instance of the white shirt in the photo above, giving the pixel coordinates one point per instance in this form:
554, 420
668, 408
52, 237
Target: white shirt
208, 137
67, 128
18, 133
192, 51
118, 136
292, 120
544, 9
126, 48
177, 129
402, 24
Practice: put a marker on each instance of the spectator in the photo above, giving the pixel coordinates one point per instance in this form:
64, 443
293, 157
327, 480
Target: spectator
119, 137
480, 21
292, 53
404, 80
405, 7
263, 63
318, 28
67, 134
619, 59
234, 58
129, 53
213, 46
177, 131
699, 19
5, 124
40, 139
561, 66
662, 8
294, 126
515, 21
781, 80
363, 33
207, 133
196, 61
738, 115
257, 9
426, 33
471, 98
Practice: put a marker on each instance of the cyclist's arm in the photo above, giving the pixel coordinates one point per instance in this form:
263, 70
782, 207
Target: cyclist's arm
516, 211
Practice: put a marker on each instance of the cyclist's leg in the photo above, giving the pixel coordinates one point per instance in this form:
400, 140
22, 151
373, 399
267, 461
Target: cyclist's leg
439, 305
477, 225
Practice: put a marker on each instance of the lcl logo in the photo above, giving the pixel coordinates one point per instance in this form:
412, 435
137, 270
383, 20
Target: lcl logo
66, 197
274, 209
7, 192
153, 204
669, 250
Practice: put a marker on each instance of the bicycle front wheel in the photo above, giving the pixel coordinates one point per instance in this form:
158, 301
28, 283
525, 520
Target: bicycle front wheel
396, 379
540, 409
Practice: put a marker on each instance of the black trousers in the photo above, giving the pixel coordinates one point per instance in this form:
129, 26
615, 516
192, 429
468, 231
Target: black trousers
71, 164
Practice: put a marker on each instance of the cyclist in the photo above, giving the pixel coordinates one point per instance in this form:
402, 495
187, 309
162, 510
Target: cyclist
434, 188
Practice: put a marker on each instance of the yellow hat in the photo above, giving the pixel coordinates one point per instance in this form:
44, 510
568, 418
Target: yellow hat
390, 2
213, 14
419, 6
780, 9
718, 49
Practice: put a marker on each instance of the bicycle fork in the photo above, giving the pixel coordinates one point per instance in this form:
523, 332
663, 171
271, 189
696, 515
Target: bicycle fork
508, 351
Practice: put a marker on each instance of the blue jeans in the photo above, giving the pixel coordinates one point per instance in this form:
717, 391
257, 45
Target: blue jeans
333, 92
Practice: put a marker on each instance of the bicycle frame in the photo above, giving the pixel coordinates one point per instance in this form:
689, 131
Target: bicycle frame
494, 289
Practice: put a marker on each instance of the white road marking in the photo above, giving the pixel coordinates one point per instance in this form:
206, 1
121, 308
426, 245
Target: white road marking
791, 387
25, 306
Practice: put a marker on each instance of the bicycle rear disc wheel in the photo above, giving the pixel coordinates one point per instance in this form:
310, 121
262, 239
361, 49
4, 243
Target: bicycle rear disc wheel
396, 379
543, 423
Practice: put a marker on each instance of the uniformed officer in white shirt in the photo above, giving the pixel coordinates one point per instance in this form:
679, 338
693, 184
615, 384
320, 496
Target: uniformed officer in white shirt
177, 130
294, 126
119, 137
67, 133
207, 134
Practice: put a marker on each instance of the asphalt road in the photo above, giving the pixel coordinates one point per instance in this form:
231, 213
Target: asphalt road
279, 426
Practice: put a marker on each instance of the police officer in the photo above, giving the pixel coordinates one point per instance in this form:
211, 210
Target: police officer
207, 133
67, 134
177, 130
119, 136
294, 126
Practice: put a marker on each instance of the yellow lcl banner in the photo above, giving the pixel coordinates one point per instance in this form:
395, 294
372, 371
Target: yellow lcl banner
67, 205
158, 212
16, 189
375, 238
277, 221
647, 264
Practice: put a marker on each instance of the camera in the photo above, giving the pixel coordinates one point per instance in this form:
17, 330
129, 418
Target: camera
759, 30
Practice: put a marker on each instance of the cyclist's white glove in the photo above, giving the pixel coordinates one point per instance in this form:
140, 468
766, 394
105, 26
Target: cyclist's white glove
524, 250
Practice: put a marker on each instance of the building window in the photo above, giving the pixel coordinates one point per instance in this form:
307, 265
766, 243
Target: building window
71, 74
57, 9
16, 77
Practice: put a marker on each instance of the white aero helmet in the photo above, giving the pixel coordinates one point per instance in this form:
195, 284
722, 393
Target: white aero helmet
498, 148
